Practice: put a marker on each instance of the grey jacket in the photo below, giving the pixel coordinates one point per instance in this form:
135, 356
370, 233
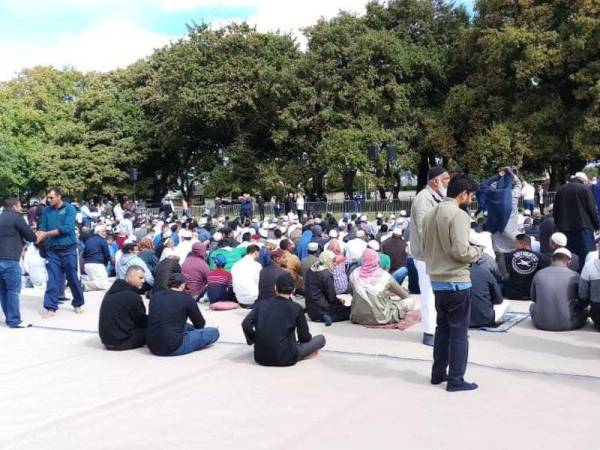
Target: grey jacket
589, 283
554, 293
424, 202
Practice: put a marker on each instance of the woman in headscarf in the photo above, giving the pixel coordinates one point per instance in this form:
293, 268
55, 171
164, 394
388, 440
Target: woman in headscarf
146, 254
377, 298
322, 304
302, 247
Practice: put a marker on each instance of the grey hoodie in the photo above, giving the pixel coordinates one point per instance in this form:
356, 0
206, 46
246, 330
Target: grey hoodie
589, 284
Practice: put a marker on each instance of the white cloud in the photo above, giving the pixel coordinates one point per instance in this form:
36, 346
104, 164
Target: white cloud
116, 40
106, 45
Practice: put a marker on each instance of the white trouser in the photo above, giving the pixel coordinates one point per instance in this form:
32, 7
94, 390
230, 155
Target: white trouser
500, 310
428, 314
96, 278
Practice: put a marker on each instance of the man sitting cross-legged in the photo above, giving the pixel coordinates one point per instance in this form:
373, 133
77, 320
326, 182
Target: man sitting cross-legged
272, 326
169, 334
123, 317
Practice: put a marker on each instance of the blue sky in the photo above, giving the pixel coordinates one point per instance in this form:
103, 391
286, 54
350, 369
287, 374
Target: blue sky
104, 34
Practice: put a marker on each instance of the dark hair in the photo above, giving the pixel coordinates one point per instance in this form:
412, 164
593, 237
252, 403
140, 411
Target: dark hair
285, 284
384, 227
252, 249
277, 233
175, 280
58, 191
459, 184
11, 201
246, 236
128, 248
524, 239
284, 244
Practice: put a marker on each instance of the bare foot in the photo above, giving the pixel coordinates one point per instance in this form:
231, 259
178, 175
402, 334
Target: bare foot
78, 310
49, 314
313, 355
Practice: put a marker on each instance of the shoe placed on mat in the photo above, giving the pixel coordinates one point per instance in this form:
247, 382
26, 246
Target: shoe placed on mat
428, 339
439, 380
327, 320
22, 325
461, 386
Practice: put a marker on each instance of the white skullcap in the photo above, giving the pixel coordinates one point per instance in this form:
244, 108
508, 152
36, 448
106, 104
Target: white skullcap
563, 251
313, 246
333, 234
397, 231
403, 213
559, 239
374, 245
217, 236
360, 234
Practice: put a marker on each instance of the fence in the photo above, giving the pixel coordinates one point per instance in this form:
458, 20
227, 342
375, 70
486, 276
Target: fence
338, 208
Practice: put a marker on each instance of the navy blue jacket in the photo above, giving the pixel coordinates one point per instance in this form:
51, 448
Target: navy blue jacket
96, 250
63, 220
13, 231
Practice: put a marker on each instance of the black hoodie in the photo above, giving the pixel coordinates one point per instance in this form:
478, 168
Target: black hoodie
122, 311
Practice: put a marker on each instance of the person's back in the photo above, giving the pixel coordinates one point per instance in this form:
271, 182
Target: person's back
122, 322
485, 292
266, 282
589, 289
575, 208
522, 265
307, 262
245, 276
165, 269
395, 248
196, 270
272, 326
554, 293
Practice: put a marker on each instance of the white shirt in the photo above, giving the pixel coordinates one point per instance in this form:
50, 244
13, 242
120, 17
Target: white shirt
300, 203
245, 274
355, 248
528, 192
118, 212
35, 266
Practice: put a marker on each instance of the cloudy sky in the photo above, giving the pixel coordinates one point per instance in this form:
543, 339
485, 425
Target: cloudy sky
105, 34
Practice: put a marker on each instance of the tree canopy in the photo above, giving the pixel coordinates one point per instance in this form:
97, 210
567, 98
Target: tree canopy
233, 109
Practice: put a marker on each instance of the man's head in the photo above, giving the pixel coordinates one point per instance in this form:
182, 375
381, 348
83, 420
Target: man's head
176, 282
561, 257
220, 261
462, 189
523, 242
582, 177
13, 204
286, 245
438, 179
130, 247
313, 248
253, 251
557, 240
285, 285
135, 276
54, 196
246, 237
101, 230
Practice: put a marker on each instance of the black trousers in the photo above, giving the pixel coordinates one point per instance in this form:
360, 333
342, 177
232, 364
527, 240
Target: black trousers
306, 348
595, 315
451, 344
137, 340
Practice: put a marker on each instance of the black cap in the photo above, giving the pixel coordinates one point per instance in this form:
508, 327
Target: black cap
285, 284
176, 279
434, 172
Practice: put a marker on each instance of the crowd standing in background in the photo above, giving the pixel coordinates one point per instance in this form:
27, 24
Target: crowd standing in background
285, 262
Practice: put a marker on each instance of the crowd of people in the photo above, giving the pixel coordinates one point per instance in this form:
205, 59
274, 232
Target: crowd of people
462, 265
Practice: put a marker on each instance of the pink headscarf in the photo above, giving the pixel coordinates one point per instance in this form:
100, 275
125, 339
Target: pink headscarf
369, 271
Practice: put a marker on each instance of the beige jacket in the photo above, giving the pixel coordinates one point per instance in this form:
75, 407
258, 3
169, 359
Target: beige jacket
424, 202
448, 251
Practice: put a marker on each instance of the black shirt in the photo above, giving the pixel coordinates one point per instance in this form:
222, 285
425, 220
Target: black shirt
271, 326
485, 291
13, 230
168, 314
266, 280
121, 313
521, 266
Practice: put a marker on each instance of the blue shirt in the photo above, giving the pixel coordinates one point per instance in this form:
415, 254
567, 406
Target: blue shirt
96, 250
63, 220
449, 286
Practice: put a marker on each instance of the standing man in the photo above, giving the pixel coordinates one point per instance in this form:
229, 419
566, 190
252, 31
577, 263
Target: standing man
576, 216
57, 228
300, 205
246, 207
435, 191
528, 194
260, 202
448, 253
13, 231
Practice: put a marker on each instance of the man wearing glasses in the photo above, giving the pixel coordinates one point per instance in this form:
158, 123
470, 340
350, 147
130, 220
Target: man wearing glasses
57, 229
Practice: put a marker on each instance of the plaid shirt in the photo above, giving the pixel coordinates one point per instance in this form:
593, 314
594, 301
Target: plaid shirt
340, 279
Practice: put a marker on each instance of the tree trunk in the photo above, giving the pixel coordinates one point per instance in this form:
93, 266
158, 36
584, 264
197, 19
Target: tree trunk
348, 178
422, 170
318, 183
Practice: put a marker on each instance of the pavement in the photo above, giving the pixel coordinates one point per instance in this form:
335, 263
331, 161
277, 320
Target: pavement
369, 388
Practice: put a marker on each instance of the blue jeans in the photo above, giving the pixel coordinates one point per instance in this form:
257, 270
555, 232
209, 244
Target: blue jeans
528, 204
62, 264
400, 274
196, 339
581, 242
10, 288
